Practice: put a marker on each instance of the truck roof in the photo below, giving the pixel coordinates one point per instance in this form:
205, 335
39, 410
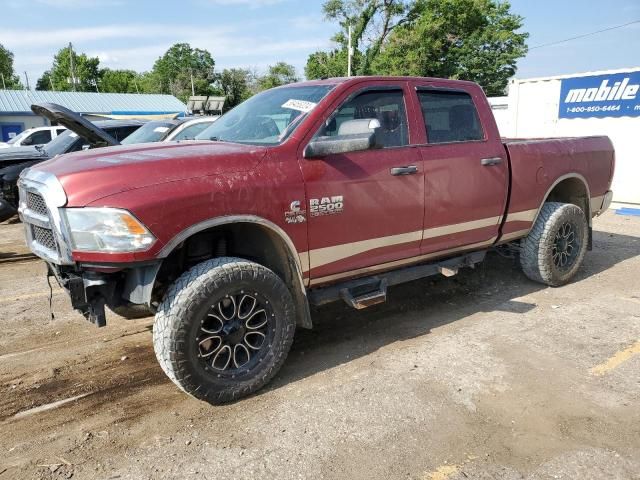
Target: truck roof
362, 78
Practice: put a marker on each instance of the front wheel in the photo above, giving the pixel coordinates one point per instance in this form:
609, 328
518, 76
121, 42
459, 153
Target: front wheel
555, 247
224, 329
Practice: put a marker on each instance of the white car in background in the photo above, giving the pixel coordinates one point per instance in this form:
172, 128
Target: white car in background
185, 128
33, 136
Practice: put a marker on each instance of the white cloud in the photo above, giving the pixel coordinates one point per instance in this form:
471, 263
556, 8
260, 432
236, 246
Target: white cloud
136, 46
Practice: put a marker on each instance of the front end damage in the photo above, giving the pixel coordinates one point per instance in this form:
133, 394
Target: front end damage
90, 287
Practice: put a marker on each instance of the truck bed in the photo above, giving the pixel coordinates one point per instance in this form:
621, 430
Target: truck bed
539, 164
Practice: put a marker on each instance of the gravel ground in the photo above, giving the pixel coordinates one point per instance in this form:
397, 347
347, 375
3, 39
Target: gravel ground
482, 375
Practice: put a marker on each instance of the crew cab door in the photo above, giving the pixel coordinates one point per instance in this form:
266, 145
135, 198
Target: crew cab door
365, 208
466, 169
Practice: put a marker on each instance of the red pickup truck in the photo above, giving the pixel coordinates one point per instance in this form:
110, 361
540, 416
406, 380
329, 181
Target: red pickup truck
305, 194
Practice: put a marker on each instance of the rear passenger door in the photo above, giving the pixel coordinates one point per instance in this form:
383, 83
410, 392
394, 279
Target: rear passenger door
466, 170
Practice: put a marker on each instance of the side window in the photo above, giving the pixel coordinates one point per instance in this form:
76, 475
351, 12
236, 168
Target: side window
40, 137
387, 106
121, 133
190, 132
449, 116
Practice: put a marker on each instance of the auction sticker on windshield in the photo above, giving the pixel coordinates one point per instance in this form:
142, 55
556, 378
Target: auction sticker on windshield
300, 105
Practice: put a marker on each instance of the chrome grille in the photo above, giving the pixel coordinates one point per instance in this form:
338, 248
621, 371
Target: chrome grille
36, 204
41, 197
44, 236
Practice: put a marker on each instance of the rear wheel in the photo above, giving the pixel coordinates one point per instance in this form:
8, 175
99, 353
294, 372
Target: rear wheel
224, 329
554, 249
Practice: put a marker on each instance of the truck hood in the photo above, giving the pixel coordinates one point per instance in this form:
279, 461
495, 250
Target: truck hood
21, 153
74, 122
94, 174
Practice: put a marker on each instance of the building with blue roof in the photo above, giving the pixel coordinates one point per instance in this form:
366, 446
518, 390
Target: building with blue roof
16, 114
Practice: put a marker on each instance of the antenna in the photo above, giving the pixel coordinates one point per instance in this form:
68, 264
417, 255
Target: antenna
349, 54
73, 76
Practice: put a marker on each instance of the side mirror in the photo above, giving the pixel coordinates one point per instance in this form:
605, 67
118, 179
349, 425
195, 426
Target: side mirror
353, 136
86, 147
27, 141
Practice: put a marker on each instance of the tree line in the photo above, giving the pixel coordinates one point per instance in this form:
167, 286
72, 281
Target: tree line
172, 73
478, 40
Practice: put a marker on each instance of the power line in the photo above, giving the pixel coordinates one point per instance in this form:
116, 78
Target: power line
584, 35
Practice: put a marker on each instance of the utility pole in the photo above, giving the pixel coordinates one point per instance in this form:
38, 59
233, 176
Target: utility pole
349, 54
193, 90
4, 86
73, 76
26, 77
51, 83
135, 82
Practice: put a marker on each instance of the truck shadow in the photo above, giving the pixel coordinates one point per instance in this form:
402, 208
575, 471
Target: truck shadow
341, 334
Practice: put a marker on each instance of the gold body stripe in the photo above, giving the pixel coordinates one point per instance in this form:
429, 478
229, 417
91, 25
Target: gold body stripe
326, 255
398, 263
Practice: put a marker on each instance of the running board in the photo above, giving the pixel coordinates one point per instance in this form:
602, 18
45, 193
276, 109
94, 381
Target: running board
365, 295
365, 292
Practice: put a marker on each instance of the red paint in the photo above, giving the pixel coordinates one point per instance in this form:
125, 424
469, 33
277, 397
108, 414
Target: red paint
170, 188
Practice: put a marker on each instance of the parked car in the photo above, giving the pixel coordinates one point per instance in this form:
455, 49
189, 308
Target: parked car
309, 193
185, 128
33, 136
81, 135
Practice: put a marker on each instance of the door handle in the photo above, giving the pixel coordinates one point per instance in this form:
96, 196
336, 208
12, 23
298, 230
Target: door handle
408, 170
488, 162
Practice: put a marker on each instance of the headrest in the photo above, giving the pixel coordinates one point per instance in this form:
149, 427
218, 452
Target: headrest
362, 125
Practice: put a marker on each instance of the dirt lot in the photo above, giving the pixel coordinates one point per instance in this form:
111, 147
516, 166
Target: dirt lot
483, 375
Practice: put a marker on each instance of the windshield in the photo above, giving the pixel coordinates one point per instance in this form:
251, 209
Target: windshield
61, 144
150, 132
18, 137
266, 118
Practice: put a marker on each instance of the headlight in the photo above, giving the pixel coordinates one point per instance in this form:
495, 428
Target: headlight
106, 230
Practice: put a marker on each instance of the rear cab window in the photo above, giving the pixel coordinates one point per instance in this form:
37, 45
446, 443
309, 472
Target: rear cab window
449, 116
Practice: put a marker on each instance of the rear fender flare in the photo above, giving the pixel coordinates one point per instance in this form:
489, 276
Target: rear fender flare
555, 184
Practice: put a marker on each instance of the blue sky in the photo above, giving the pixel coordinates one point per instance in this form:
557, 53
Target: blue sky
256, 33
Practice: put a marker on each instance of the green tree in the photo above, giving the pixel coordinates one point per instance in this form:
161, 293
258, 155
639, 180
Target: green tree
279, 74
371, 20
11, 80
474, 40
118, 81
235, 85
86, 72
327, 64
44, 82
173, 71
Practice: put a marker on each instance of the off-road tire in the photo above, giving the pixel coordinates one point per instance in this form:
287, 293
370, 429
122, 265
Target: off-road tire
132, 311
178, 321
536, 254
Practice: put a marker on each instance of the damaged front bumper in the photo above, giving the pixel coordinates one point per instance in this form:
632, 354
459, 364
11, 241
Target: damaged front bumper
90, 290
